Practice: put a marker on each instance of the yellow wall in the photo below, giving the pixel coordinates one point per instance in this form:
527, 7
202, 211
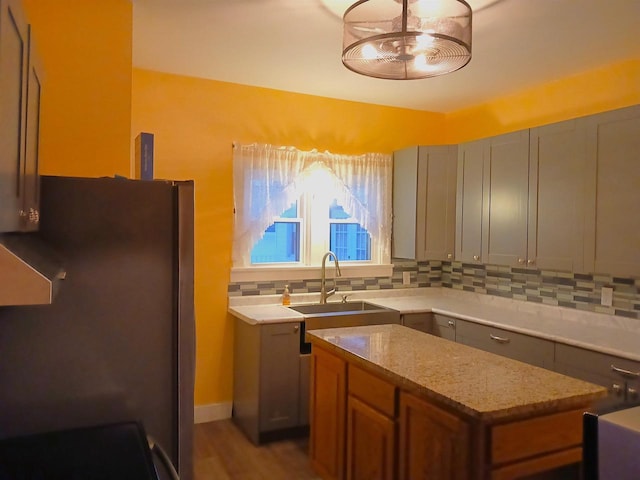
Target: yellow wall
615, 86
85, 48
194, 123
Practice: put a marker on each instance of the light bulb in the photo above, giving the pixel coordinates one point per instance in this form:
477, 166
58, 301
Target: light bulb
369, 52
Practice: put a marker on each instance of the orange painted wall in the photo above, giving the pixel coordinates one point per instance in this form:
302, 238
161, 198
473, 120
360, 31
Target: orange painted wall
85, 48
195, 122
608, 88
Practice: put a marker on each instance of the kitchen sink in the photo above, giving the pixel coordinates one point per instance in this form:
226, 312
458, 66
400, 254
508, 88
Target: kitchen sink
336, 315
337, 308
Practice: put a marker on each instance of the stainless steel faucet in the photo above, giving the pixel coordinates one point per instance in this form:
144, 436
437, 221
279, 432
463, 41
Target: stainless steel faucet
323, 283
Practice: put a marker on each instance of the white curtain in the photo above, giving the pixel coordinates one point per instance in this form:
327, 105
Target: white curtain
268, 179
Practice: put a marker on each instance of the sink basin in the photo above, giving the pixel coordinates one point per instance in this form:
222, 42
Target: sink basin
336, 315
347, 308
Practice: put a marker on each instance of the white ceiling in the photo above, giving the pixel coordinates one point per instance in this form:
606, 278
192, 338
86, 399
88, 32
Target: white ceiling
295, 45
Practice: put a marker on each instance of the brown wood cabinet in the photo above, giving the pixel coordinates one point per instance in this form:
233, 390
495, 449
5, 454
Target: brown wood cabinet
368, 425
433, 443
371, 440
327, 414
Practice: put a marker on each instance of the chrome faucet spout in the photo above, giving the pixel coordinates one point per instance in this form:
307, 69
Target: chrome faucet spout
324, 294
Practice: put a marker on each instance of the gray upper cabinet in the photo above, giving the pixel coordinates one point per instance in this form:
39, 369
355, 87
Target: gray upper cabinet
469, 201
557, 162
505, 199
20, 91
424, 196
613, 223
13, 70
521, 198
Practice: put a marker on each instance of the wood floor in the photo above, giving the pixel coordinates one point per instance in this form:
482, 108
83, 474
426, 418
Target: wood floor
222, 452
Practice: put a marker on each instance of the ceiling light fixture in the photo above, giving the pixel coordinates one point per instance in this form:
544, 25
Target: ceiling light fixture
406, 39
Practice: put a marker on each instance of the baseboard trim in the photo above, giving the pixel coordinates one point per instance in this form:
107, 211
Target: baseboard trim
212, 412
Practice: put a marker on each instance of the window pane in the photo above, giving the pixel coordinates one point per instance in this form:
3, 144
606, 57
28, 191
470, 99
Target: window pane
349, 241
281, 243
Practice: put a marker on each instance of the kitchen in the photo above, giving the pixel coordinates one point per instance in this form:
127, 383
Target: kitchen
97, 104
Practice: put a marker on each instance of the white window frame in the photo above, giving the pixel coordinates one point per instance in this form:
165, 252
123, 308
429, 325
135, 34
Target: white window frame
315, 242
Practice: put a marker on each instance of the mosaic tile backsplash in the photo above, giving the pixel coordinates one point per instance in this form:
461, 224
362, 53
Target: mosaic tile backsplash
572, 290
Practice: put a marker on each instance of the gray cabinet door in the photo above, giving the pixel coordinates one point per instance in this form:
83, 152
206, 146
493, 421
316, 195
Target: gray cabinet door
469, 201
437, 225
444, 327
279, 376
13, 69
405, 194
31, 180
506, 199
531, 350
424, 186
613, 229
556, 196
619, 375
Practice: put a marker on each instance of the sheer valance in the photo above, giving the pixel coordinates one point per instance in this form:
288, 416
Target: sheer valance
268, 179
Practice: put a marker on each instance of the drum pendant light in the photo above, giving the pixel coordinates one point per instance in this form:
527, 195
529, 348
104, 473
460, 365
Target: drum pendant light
406, 39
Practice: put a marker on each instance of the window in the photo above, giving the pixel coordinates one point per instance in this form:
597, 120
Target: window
293, 206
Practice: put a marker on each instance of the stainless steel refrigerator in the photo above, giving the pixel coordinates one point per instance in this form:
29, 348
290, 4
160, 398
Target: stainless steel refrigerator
117, 341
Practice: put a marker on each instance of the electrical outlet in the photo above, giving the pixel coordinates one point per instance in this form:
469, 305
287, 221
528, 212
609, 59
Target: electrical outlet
406, 278
606, 296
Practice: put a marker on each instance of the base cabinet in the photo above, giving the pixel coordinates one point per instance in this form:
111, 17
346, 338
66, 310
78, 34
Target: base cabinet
366, 426
433, 442
370, 442
267, 389
327, 414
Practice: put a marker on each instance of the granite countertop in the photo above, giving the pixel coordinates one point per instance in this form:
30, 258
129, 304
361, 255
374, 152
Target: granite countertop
613, 335
478, 384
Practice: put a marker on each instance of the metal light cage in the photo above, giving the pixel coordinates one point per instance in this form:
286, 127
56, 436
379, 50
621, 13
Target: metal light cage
406, 39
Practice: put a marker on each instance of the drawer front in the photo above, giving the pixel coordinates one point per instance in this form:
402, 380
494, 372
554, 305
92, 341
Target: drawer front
531, 350
619, 375
444, 327
372, 390
418, 321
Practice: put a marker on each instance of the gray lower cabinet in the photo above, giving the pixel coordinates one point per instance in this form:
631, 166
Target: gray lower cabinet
267, 378
418, 321
525, 348
619, 375
444, 327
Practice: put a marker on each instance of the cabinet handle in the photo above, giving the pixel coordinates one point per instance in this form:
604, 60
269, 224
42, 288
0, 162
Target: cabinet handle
476, 257
296, 328
531, 262
449, 256
632, 392
451, 323
521, 261
499, 339
617, 389
625, 373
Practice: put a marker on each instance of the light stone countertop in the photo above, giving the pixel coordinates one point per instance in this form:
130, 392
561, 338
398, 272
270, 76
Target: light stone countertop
479, 384
610, 334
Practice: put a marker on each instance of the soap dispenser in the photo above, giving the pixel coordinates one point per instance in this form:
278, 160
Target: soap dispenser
286, 296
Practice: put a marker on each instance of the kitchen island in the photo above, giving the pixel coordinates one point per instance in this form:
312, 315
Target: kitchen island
391, 402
